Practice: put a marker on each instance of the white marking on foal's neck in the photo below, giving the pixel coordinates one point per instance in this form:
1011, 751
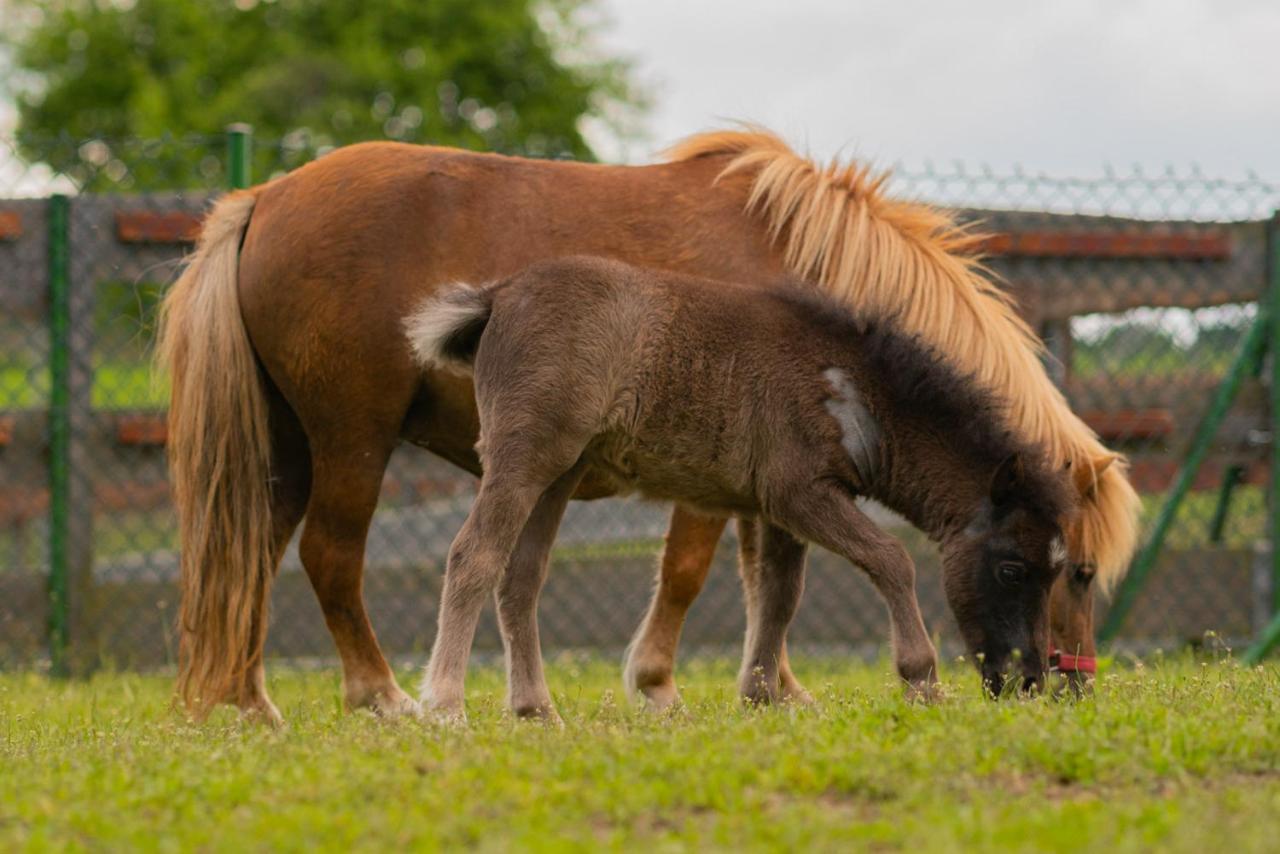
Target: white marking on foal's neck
860, 432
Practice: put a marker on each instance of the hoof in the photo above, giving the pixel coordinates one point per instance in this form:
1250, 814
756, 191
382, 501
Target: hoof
399, 705
655, 686
539, 713
388, 703
794, 692
660, 697
263, 712
445, 717
925, 691
444, 711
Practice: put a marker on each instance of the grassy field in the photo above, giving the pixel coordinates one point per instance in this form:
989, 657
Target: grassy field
1177, 755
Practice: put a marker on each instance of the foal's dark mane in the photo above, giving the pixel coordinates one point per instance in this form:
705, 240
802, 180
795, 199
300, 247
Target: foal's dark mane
923, 383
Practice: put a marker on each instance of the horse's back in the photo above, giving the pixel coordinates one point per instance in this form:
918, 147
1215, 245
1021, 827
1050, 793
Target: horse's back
340, 251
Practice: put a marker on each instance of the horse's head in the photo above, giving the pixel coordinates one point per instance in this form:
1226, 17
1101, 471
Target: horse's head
998, 572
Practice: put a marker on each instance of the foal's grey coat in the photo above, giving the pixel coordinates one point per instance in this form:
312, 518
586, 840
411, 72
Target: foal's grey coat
736, 401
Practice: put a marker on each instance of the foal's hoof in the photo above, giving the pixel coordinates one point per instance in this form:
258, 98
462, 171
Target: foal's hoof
449, 712
539, 713
925, 691
445, 716
756, 696
796, 694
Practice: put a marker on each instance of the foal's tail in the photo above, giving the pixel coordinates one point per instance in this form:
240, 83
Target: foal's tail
445, 330
219, 463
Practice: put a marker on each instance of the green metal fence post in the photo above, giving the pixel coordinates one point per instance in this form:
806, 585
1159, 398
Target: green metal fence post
59, 431
239, 156
1266, 642
1235, 473
1230, 480
1273, 296
1270, 636
1251, 350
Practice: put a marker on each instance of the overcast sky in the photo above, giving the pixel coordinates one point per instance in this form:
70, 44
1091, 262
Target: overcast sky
1059, 87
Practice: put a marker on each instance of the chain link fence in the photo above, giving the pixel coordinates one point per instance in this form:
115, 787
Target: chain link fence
1143, 286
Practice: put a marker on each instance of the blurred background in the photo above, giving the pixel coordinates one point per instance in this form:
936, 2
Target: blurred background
1124, 153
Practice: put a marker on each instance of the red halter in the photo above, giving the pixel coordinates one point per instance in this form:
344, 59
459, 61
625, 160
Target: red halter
1065, 662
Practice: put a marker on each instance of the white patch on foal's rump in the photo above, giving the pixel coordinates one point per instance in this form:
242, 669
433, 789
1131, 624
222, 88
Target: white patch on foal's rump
860, 432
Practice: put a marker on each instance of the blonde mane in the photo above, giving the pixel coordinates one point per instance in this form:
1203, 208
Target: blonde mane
914, 264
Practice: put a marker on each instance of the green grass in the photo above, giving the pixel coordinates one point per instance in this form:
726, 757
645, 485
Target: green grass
1177, 756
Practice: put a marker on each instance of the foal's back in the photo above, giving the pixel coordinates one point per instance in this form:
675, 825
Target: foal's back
691, 389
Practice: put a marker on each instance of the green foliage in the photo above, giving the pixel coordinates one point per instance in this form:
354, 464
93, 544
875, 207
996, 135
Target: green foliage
515, 76
1173, 756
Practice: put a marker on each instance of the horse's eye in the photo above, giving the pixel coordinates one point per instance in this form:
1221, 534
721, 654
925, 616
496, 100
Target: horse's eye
1010, 573
1082, 574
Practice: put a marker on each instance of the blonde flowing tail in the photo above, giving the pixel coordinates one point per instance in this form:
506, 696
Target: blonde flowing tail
219, 464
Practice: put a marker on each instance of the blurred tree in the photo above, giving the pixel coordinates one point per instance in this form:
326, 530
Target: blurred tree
516, 76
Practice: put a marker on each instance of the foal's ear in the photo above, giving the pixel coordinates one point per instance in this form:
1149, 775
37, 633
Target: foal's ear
1007, 481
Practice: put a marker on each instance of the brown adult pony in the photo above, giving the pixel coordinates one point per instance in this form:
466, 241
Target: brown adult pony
293, 383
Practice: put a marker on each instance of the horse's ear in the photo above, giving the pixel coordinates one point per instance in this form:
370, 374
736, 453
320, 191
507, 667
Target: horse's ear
1007, 481
1085, 477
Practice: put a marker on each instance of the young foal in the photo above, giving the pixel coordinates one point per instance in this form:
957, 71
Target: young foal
734, 401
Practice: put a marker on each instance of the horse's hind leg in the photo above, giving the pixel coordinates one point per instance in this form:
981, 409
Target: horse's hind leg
686, 560
346, 479
773, 584
751, 570
290, 487
517, 601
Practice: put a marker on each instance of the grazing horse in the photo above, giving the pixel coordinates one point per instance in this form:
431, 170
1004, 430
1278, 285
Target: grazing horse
292, 382
736, 401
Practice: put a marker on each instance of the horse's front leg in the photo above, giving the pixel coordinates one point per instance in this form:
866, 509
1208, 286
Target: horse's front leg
517, 600
686, 560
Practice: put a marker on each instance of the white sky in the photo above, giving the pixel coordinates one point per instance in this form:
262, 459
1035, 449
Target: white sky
1061, 87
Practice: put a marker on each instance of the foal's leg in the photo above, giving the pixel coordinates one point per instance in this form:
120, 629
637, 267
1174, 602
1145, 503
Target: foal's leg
686, 560
752, 572
344, 494
477, 558
772, 585
517, 600
827, 515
